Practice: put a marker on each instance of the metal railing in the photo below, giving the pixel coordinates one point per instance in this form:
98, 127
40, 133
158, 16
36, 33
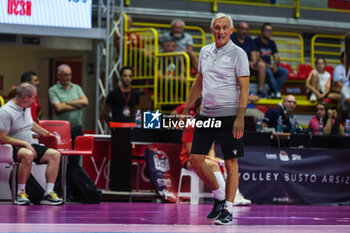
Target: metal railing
173, 82
197, 33
327, 46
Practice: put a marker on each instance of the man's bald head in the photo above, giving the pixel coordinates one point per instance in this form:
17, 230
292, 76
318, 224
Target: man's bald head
25, 89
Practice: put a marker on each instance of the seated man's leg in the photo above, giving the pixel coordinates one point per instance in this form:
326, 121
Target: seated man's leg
52, 158
25, 158
261, 76
282, 75
271, 80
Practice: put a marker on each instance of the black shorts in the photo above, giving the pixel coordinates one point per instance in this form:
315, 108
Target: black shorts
203, 138
40, 151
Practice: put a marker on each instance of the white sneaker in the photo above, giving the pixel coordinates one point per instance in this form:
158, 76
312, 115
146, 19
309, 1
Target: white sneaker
278, 95
240, 200
313, 97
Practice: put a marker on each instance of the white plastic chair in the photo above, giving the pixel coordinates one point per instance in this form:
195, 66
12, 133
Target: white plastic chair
196, 188
6, 157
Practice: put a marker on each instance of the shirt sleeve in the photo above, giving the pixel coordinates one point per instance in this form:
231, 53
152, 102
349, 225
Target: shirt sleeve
200, 61
252, 45
53, 96
80, 91
273, 47
189, 39
110, 99
337, 74
269, 115
242, 64
5, 122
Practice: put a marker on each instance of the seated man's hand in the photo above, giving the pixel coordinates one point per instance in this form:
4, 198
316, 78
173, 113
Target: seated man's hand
29, 147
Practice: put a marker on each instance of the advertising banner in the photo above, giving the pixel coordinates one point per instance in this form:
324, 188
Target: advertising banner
52, 13
295, 176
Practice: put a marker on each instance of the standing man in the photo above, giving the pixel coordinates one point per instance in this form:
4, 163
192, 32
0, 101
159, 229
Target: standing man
68, 99
223, 80
32, 78
183, 40
16, 126
276, 75
258, 68
122, 99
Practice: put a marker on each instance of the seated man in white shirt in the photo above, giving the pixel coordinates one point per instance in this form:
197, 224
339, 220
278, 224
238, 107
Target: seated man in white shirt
16, 126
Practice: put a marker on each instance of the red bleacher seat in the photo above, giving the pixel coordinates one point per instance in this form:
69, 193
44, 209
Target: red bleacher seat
291, 75
303, 71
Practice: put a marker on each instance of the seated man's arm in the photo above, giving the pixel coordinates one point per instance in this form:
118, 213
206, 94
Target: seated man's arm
5, 139
253, 99
39, 130
193, 56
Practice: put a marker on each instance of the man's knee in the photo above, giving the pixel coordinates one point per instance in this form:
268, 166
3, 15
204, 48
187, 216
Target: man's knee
261, 65
25, 156
52, 155
196, 160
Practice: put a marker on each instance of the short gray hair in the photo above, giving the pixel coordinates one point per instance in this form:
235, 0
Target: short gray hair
177, 20
25, 89
59, 68
219, 16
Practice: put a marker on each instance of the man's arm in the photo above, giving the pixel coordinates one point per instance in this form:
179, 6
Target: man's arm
195, 93
238, 125
193, 56
63, 107
39, 130
105, 113
79, 103
5, 139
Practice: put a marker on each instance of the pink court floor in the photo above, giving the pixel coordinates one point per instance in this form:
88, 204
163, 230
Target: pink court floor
151, 217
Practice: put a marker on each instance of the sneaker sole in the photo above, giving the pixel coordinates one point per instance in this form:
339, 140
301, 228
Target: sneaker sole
222, 223
21, 203
214, 217
50, 203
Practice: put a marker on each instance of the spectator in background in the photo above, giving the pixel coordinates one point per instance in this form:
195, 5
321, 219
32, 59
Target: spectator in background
122, 99
258, 68
32, 78
339, 78
251, 109
345, 91
171, 72
318, 81
275, 75
330, 120
286, 110
16, 127
68, 100
183, 40
211, 160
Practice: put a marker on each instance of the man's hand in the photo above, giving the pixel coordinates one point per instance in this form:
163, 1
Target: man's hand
238, 128
274, 69
29, 147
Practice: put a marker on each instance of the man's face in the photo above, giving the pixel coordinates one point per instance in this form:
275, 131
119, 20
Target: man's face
169, 46
35, 81
126, 78
222, 30
242, 30
177, 29
267, 32
65, 76
27, 101
290, 103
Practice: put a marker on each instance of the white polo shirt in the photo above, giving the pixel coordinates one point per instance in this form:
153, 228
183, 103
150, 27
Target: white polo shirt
18, 122
221, 69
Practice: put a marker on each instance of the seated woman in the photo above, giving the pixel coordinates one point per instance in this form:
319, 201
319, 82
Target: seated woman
215, 164
331, 122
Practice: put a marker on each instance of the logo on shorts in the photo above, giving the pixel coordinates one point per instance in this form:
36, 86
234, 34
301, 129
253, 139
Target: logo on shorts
151, 120
235, 152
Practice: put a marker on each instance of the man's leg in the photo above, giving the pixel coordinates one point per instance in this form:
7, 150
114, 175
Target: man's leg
232, 179
25, 158
261, 75
52, 159
271, 80
282, 75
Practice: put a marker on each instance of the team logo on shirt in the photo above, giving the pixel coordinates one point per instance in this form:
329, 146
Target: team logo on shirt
151, 120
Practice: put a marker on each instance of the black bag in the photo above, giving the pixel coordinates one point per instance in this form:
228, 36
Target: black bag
33, 189
81, 187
